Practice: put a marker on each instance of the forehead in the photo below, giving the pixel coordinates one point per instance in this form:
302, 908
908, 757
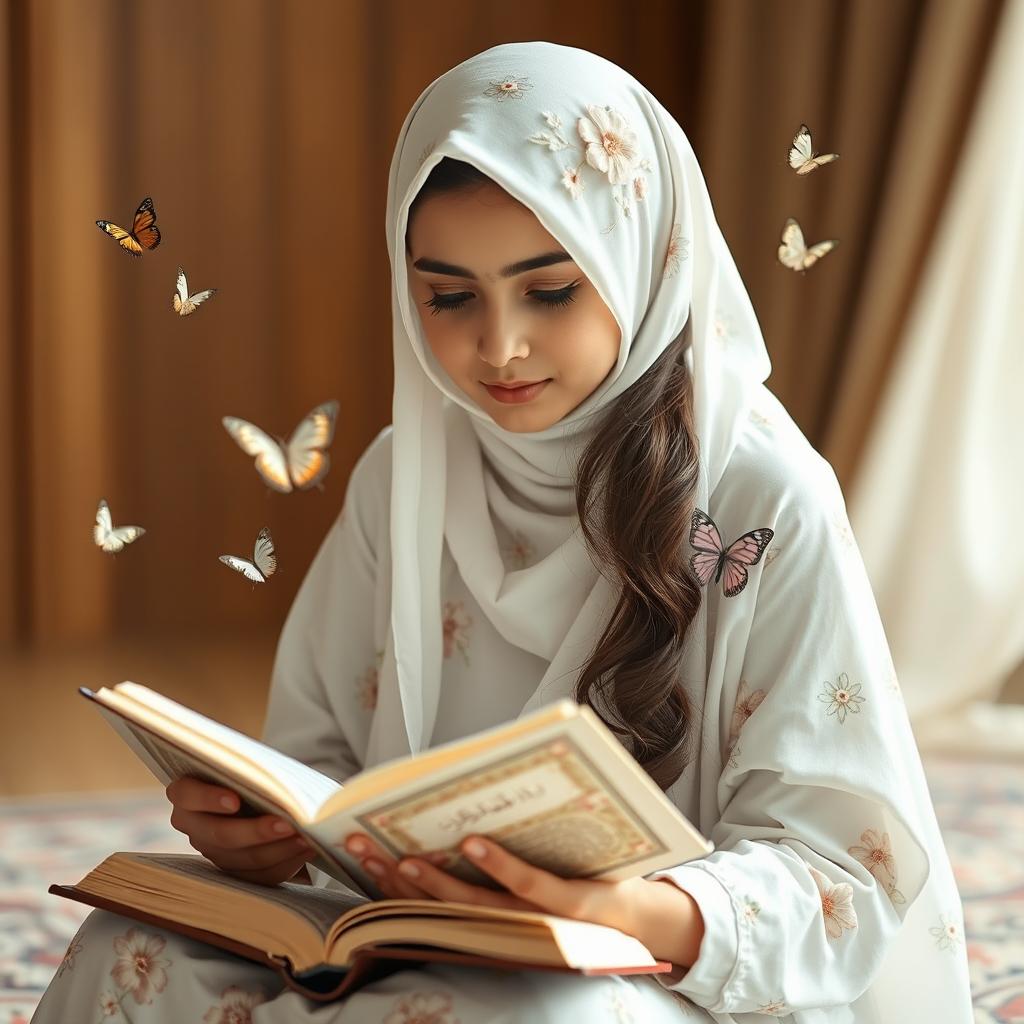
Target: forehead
486, 224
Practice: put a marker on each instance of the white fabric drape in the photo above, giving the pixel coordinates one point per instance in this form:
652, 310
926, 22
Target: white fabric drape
939, 497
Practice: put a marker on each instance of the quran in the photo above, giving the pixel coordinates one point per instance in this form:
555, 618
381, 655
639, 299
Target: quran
554, 787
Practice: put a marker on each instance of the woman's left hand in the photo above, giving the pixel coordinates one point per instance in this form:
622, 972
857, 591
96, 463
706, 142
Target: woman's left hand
636, 906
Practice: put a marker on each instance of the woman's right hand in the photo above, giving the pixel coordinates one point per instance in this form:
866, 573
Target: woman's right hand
266, 849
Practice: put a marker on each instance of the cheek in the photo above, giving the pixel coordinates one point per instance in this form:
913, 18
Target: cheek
591, 348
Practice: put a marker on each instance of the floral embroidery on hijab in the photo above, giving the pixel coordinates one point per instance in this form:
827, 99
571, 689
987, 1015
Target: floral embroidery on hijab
947, 933
368, 684
509, 88
776, 1008
422, 1008
751, 909
836, 904
68, 961
456, 623
235, 1007
609, 145
842, 697
875, 853
676, 252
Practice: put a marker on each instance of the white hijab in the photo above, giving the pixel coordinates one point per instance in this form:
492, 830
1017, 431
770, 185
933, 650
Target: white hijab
536, 118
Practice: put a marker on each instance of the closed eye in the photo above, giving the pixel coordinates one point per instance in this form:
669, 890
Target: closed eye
559, 297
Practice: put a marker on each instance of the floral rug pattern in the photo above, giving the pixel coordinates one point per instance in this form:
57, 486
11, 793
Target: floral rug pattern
980, 808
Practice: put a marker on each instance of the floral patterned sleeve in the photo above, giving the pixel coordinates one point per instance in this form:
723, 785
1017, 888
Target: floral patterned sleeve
323, 687
823, 837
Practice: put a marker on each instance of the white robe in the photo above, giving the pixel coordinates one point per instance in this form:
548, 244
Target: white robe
795, 783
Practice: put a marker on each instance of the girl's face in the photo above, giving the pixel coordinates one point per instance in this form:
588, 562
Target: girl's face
502, 303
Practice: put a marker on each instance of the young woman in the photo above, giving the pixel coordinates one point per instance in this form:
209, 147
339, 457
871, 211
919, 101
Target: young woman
588, 491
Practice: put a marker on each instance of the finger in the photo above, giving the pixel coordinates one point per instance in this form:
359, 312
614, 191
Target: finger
443, 886
256, 858
541, 888
270, 876
215, 830
194, 795
390, 882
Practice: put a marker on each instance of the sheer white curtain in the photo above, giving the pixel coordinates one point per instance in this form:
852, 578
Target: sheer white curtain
938, 503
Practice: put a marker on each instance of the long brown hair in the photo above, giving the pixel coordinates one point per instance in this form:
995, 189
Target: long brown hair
635, 495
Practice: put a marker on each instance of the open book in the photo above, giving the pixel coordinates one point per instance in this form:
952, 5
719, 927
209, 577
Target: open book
555, 787
325, 942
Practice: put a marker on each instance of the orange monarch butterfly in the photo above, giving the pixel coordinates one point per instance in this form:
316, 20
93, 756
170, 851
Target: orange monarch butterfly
144, 232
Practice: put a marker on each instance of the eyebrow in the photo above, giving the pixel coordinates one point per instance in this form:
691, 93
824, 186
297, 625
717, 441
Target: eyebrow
544, 260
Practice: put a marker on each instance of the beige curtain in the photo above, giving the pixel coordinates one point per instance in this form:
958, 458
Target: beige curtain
263, 131
939, 499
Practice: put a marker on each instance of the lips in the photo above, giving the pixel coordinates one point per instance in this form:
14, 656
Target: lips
514, 384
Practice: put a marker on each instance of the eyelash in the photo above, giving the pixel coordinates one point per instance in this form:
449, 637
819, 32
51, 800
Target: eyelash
561, 297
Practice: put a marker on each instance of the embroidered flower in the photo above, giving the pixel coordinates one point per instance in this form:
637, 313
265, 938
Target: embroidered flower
723, 328
553, 139
368, 684
751, 910
520, 551
836, 905
68, 961
509, 88
776, 1008
422, 1008
746, 704
842, 528
842, 697
947, 933
611, 143
573, 181
235, 1007
676, 251
109, 1003
140, 969
456, 622
875, 853
640, 187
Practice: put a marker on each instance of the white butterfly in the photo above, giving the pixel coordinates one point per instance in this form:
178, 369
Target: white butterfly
112, 539
184, 303
795, 254
801, 159
302, 462
264, 561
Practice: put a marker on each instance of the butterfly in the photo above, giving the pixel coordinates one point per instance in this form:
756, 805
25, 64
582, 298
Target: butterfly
302, 462
144, 232
712, 557
801, 159
112, 539
183, 303
793, 253
264, 561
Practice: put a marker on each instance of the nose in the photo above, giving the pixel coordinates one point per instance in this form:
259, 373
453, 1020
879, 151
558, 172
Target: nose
501, 339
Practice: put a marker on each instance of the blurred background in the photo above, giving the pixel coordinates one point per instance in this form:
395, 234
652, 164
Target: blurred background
264, 132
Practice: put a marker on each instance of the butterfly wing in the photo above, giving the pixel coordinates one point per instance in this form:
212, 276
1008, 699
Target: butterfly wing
819, 249
104, 525
307, 461
180, 296
792, 250
743, 552
144, 227
707, 544
193, 302
263, 556
124, 238
270, 458
244, 566
800, 151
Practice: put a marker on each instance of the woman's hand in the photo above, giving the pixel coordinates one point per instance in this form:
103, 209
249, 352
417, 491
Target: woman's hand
662, 916
264, 849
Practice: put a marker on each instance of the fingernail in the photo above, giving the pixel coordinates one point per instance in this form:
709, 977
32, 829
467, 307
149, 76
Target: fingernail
475, 848
227, 802
282, 828
356, 846
374, 867
409, 870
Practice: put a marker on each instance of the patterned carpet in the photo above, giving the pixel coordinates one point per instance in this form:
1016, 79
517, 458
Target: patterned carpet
980, 807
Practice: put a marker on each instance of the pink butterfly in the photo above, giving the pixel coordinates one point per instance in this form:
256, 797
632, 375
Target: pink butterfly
712, 557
